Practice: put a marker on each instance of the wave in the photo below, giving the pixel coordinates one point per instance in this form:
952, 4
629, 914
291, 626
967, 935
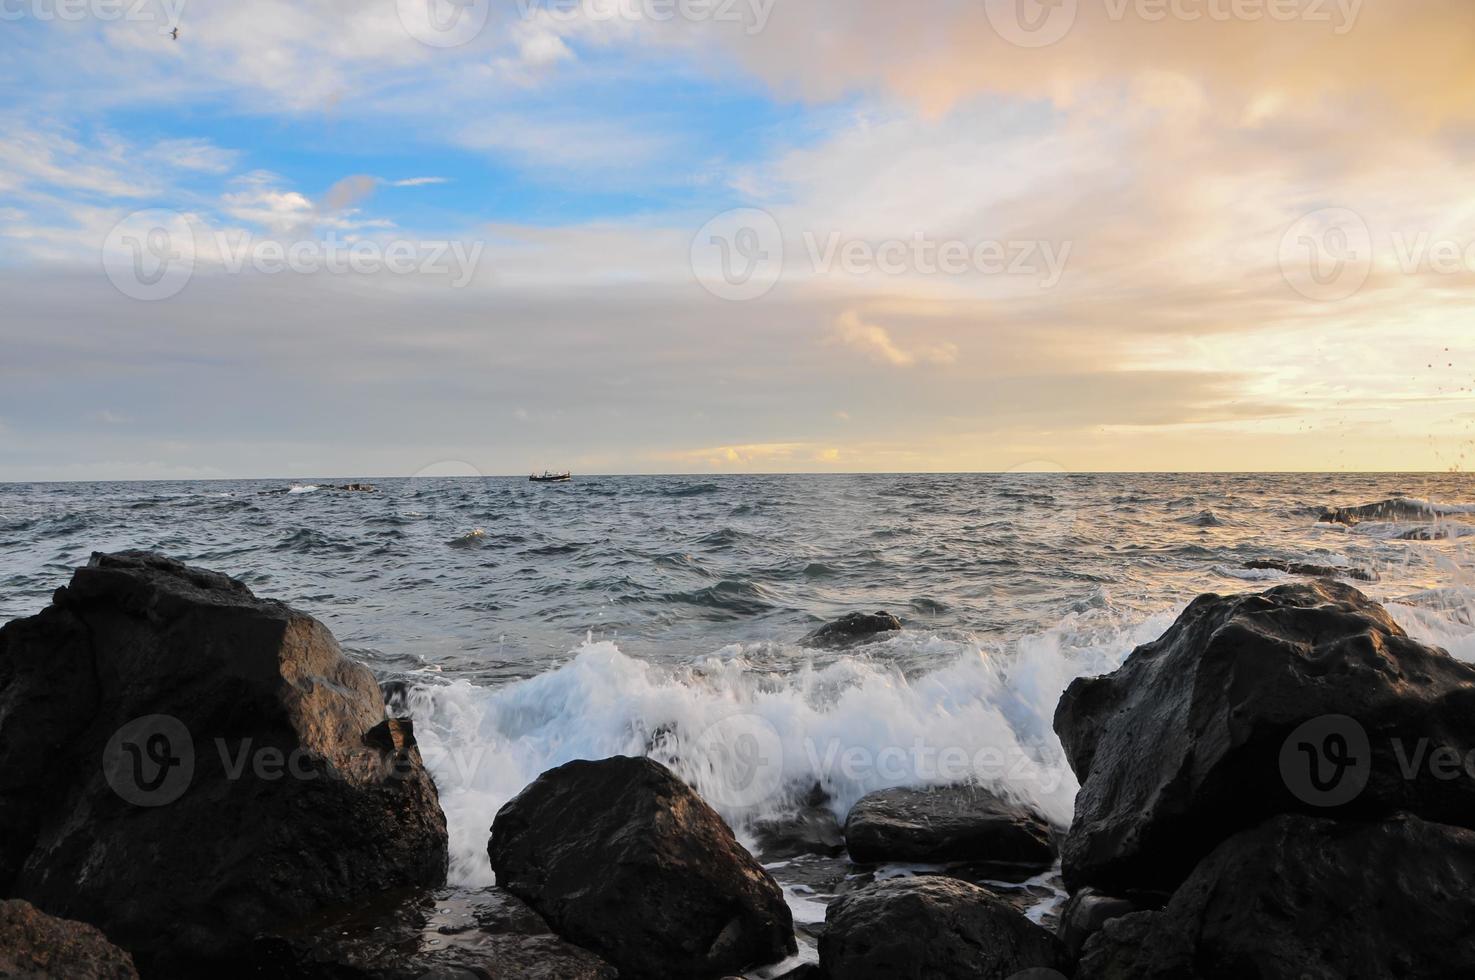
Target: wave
754, 742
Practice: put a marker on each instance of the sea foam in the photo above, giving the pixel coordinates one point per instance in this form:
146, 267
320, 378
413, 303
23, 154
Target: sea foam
752, 741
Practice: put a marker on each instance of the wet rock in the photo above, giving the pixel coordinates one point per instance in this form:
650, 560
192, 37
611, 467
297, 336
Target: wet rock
1397, 509
851, 629
486, 934
1314, 571
624, 859
36, 946
248, 775
943, 824
1084, 915
928, 928
1301, 898
1189, 741
811, 829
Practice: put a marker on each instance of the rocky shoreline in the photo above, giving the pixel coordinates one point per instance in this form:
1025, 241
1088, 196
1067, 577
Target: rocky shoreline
199, 783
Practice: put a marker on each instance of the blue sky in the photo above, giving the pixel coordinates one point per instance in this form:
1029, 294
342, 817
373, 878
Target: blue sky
955, 246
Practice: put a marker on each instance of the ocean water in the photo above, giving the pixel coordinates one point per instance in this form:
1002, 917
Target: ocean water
528, 625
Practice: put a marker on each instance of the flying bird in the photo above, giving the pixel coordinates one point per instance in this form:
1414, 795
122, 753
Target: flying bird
174, 34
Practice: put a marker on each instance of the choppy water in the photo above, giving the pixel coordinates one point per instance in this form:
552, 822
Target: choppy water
541, 623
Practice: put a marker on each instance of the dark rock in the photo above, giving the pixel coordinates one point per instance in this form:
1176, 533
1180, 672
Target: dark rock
804, 971
929, 928
1397, 509
1084, 915
851, 629
1314, 571
248, 774
622, 858
1189, 741
1301, 898
486, 934
951, 823
36, 946
810, 829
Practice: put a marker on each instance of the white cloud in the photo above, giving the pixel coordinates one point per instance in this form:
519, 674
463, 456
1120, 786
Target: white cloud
876, 343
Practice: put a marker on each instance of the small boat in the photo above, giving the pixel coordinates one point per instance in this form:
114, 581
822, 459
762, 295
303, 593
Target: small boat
551, 477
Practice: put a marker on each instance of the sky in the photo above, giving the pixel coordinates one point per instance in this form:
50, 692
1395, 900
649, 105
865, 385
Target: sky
369, 238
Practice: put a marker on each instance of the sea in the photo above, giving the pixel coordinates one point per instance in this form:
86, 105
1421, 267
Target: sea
526, 625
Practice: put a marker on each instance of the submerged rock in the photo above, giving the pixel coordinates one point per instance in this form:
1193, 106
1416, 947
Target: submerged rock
248, 774
1300, 897
1189, 741
36, 946
851, 629
485, 934
1314, 571
623, 858
1396, 509
949, 823
928, 928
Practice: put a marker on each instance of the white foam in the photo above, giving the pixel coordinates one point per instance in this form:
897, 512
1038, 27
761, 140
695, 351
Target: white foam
309, 488
751, 741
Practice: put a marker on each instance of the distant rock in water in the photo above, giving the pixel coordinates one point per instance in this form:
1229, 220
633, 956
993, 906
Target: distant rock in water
36, 946
851, 629
928, 928
1315, 571
623, 858
1396, 509
481, 934
1189, 741
1303, 897
317, 487
944, 824
248, 773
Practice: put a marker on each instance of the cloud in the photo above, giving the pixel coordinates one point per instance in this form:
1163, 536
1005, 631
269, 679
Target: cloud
417, 181
876, 343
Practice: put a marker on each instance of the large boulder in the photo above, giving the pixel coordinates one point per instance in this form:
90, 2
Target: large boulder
851, 629
1301, 898
187, 765
944, 824
929, 928
622, 858
36, 946
440, 934
1190, 740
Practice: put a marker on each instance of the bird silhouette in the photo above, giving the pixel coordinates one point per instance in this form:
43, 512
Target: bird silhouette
174, 34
